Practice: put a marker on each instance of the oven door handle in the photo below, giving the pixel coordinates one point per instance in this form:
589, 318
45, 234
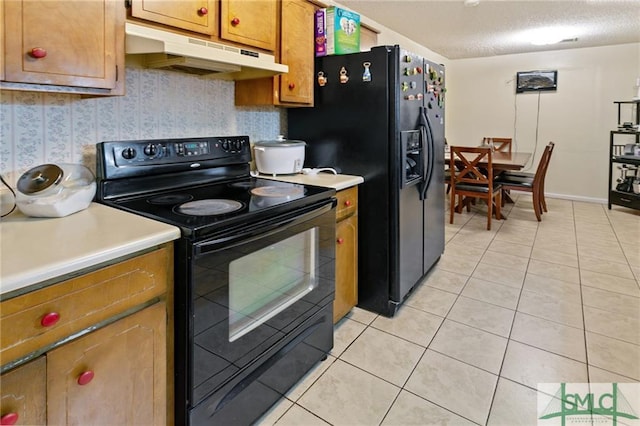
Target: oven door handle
265, 228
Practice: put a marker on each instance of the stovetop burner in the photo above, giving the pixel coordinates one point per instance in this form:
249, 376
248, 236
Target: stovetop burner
278, 191
170, 200
209, 207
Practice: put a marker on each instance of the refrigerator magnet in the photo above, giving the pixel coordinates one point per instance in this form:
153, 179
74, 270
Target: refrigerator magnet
322, 80
366, 75
343, 75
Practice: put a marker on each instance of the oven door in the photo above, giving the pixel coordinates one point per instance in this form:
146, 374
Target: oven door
251, 291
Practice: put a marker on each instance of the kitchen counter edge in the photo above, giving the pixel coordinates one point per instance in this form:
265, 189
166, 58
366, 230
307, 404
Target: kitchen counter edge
337, 182
35, 252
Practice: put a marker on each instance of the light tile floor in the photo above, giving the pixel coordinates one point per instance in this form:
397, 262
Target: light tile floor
503, 310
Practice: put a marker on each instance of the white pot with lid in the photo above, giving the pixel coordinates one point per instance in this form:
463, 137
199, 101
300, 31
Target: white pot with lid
279, 157
55, 190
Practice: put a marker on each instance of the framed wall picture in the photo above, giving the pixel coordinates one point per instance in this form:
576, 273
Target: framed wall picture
532, 81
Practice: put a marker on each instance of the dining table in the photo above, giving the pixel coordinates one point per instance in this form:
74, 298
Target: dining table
502, 161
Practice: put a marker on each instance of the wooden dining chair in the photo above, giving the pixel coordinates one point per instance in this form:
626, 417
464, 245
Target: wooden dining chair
499, 144
533, 183
470, 181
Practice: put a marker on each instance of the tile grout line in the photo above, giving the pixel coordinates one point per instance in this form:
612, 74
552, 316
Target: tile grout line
504, 356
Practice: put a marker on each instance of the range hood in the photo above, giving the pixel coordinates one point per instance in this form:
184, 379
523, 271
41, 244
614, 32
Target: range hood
170, 51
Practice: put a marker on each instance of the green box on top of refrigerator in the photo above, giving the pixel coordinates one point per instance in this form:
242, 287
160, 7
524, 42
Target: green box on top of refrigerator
337, 31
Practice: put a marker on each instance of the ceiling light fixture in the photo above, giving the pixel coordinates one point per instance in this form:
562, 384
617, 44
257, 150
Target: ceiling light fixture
471, 3
550, 35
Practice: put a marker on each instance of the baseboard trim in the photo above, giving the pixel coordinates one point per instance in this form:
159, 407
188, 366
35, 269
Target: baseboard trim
572, 198
577, 198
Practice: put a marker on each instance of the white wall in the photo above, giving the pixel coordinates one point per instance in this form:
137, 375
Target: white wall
481, 101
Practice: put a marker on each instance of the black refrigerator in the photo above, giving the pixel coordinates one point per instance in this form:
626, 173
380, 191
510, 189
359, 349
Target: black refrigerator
380, 115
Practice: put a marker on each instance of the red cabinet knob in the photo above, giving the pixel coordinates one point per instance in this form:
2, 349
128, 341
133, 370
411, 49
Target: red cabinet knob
235, 21
347, 203
85, 377
292, 86
203, 11
50, 319
9, 419
38, 52
340, 240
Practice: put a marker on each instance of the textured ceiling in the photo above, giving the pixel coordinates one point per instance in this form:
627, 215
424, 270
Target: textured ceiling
497, 27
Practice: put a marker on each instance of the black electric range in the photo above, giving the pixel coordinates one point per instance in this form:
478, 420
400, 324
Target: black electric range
254, 269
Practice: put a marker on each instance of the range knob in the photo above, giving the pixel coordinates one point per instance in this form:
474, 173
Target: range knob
225, 145
128, 153
237, 145
150, 150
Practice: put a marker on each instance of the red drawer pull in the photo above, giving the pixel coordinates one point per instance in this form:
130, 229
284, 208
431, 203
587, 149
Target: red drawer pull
203, 11
50, 319
340, 240
347, 203
9, 419
38, 52
85, 377
292, 86
235, 21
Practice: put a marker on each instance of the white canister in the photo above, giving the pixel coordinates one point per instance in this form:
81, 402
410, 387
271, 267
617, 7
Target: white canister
280, 156
55, 190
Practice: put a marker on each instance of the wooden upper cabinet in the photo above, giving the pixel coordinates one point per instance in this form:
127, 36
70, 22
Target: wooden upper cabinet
296, 51
249, 22
64, 42
194, 15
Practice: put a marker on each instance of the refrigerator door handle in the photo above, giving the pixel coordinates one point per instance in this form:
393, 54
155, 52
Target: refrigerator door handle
429, 163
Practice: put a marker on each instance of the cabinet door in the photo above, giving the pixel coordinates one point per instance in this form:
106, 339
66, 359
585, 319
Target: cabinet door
296, 51
63, 42
346, 267
250, 22
193, 15
23, 394
115, 375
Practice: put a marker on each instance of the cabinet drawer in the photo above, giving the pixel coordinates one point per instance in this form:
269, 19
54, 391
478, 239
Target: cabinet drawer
347, 202
625, 199
43, 317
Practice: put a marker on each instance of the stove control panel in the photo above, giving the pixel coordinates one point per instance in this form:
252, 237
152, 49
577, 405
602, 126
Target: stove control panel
131, 152
127, 157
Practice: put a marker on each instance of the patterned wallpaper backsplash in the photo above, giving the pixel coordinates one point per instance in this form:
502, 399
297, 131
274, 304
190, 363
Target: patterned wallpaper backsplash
38, 128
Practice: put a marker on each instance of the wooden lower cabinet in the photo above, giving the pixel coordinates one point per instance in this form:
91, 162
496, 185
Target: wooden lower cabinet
115, 375
23, 394
346, 267
346, 253
102, 339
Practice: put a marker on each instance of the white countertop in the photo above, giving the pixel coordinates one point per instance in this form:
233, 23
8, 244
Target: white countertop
33, 250
338, 182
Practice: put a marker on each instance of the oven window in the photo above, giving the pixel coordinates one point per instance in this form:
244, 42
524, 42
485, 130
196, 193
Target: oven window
265, 282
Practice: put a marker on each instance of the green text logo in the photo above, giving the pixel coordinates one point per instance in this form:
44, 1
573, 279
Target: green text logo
587, 403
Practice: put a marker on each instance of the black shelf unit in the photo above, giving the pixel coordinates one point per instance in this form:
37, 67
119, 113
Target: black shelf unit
621, 198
